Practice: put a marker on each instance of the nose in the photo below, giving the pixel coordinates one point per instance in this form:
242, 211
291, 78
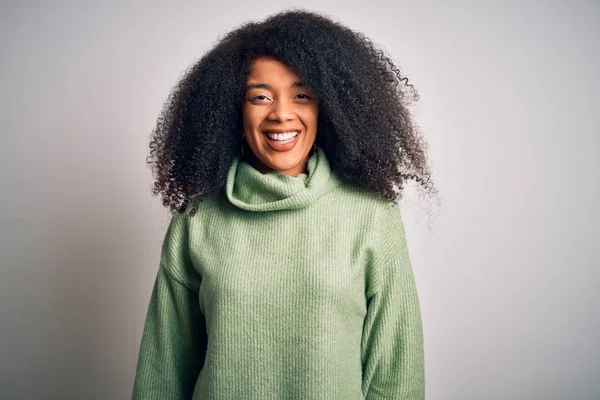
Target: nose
281, 111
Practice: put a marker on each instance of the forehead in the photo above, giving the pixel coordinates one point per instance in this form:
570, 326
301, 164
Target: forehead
272, 71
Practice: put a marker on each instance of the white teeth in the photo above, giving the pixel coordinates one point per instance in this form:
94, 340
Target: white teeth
286, 136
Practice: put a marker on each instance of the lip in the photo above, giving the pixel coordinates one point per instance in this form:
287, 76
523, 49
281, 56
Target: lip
282, 147
280, 130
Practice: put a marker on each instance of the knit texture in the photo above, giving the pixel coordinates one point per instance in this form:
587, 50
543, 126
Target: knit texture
284, 287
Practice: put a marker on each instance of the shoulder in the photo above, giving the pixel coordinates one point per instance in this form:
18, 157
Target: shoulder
175, 253
379, 218
380, 228
383, 212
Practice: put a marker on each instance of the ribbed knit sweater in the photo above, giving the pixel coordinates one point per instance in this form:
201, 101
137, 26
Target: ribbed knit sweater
284, 287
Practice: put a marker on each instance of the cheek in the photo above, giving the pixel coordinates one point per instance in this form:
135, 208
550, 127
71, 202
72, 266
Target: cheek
252, 118
310, 117
246, 116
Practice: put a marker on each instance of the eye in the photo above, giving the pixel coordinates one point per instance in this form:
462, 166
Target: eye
303, 96
260, 98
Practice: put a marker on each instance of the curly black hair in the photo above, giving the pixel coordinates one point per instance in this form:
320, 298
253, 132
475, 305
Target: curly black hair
364, 124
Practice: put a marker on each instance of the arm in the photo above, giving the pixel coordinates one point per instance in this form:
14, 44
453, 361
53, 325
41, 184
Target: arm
174, 337
392, 344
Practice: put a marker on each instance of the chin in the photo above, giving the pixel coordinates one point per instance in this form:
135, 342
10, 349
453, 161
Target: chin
284, 161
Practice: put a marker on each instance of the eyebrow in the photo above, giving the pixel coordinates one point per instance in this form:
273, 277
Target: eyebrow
266, 86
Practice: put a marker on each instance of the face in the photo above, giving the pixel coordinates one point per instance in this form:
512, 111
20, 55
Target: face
280, 118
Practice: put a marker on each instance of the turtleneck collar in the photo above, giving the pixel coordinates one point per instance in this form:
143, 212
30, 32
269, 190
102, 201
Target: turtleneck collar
249, 189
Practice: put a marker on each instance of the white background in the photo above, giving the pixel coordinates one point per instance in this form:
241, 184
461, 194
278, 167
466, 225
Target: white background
508, 277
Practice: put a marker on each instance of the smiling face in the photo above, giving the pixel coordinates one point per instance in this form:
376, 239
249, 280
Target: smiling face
280, 118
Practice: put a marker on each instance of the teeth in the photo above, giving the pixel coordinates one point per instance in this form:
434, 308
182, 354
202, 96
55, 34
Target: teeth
286, 136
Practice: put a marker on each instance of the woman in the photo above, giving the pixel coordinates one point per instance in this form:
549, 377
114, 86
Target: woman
284, 272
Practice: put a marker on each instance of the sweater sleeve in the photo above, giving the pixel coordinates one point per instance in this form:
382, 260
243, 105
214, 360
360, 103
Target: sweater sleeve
174, 338
392, 345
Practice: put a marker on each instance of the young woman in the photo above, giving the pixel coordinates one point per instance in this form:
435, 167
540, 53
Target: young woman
285, 272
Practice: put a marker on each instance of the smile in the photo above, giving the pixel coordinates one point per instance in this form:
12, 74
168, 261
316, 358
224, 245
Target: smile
282, 141
284, 137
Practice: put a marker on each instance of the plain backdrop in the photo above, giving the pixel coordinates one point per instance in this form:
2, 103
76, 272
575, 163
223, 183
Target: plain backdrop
508, 276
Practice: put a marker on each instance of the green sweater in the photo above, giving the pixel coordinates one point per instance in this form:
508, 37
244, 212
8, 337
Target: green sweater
284, 287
